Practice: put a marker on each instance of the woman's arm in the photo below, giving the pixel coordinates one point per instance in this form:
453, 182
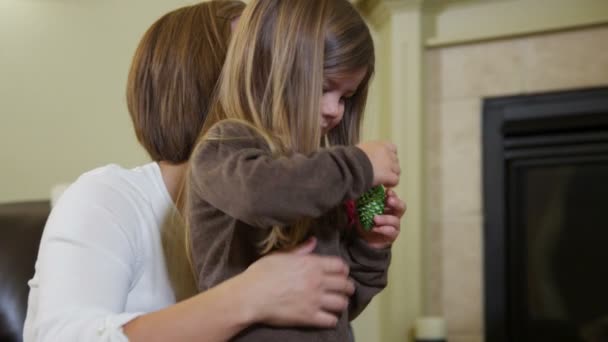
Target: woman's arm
88, 262
285, 289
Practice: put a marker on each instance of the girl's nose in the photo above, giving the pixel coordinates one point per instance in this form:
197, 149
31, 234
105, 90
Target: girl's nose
331, 108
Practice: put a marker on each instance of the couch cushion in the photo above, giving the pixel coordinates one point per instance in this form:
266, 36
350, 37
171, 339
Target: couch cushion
21, 226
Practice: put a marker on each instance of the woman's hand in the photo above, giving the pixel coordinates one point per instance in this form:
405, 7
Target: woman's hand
298, 288
386, 227
293, 288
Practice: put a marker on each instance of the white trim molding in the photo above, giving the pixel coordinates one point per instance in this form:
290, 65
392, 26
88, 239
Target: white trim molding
397, 109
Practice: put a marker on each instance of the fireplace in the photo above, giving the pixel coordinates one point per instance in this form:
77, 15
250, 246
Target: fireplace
545, 188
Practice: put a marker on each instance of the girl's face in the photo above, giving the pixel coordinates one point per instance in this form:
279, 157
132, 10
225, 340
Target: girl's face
336, 90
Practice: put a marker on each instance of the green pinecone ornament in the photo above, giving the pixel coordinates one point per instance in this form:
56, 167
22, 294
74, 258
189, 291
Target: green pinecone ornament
369, 205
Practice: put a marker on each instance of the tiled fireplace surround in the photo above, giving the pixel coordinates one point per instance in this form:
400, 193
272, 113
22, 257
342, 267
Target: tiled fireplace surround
457, 79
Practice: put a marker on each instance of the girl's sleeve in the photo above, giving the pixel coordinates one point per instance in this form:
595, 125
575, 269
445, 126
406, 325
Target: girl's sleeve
86, 264
368, 269
239, 176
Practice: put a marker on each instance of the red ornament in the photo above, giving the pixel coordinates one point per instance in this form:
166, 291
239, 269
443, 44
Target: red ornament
351, 213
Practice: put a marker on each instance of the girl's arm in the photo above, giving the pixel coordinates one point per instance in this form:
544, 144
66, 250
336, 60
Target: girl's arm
239, 176
368, 269
369, 253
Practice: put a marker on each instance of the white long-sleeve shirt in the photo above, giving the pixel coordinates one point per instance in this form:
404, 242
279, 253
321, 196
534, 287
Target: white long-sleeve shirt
101, 261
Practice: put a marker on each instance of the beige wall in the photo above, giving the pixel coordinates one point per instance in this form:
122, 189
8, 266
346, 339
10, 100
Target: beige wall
63, 71
458, 78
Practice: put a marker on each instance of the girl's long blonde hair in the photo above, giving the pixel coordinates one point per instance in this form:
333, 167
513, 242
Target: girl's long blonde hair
280, 54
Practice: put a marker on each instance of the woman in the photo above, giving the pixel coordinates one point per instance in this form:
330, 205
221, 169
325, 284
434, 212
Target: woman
112, 266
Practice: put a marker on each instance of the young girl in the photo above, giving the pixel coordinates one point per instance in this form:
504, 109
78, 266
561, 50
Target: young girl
277, 157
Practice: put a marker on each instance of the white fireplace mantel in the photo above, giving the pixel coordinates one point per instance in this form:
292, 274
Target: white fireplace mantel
395, 113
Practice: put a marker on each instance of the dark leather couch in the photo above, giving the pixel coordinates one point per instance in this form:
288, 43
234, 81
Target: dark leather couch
21, 226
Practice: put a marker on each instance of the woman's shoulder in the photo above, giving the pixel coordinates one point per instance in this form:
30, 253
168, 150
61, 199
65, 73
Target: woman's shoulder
112, 195
113, 182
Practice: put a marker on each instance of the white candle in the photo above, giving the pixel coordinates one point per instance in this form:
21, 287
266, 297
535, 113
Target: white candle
430, 328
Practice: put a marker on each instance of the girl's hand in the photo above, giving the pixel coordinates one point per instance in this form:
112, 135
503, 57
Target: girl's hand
384, 160
298, 288
386, 227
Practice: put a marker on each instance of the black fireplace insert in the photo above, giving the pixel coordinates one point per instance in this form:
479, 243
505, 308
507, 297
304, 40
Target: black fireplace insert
545, 189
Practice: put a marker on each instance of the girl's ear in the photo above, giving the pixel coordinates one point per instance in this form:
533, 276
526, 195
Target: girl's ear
234, 22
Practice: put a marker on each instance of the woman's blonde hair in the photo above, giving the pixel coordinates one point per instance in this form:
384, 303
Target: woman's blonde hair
280, 54
171, 83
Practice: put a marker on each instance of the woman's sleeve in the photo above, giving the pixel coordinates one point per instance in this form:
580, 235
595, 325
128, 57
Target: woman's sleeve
239, 176
86, 264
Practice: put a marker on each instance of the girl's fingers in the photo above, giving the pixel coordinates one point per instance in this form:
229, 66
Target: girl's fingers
395, 205
387, 220
388, 232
